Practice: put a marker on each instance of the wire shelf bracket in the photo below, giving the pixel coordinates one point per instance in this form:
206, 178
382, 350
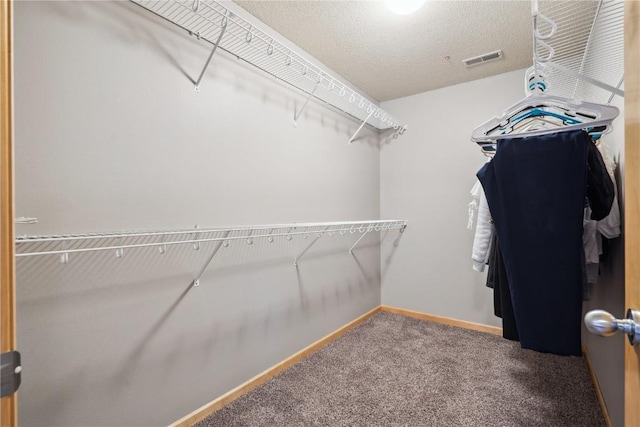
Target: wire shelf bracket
196, 281
297, 114
213, 51
360, 128
218, 25
295, 261
357, 241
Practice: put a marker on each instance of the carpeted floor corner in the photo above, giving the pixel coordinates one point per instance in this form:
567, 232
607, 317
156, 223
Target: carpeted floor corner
394, 370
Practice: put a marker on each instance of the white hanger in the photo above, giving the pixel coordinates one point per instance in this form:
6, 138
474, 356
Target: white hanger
588, 114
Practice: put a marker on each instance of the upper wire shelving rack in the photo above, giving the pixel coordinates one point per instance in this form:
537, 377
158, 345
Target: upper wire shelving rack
578, 49
209, 20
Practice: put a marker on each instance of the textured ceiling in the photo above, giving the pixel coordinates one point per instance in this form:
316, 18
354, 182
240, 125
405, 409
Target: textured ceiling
390, 56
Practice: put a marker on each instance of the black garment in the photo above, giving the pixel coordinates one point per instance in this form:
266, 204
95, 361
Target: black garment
497, 279
535, 188
491, 264
600, 190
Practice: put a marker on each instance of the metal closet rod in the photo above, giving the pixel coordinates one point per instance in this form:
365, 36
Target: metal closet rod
264, 231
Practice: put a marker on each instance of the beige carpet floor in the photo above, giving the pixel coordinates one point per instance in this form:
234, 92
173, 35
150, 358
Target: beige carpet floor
394, 370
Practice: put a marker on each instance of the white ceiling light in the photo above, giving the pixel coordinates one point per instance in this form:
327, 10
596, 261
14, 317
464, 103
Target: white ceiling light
404, 7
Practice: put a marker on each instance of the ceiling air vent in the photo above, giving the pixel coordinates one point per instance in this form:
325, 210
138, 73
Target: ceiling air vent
476, 60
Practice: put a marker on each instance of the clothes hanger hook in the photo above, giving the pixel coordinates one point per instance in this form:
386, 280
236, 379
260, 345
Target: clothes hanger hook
552, 30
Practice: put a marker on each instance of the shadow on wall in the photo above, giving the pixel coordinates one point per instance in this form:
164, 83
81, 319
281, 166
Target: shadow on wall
135, 26
128, 323
110, 270
97, 283
387, 137
388, 247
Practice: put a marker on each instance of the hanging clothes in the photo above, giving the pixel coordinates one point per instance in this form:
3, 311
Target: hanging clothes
594, 231
609, 227
474, 204
484, 232
600, 190
535, 188
497, 279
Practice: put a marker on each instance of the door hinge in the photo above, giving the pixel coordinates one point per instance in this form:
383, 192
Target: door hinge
10, 373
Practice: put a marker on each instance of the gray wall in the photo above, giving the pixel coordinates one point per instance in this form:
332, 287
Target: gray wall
110, 135
607, 354
426, 179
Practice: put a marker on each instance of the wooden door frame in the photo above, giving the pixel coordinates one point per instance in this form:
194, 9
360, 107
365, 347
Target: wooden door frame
8, 405
632, 200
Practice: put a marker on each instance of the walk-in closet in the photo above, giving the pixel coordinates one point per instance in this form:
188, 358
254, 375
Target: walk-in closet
320, 213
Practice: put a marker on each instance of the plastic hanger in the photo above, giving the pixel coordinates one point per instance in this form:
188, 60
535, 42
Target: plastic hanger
535, 123
572, 115
554, 115
488, 150
540, 112
530, 124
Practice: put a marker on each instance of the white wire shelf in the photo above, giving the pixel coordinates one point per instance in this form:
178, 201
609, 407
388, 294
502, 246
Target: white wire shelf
586, 52
65, 244
211, 21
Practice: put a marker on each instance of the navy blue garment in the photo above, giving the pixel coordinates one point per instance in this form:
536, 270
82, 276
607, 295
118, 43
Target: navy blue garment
535, 188
497, 279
